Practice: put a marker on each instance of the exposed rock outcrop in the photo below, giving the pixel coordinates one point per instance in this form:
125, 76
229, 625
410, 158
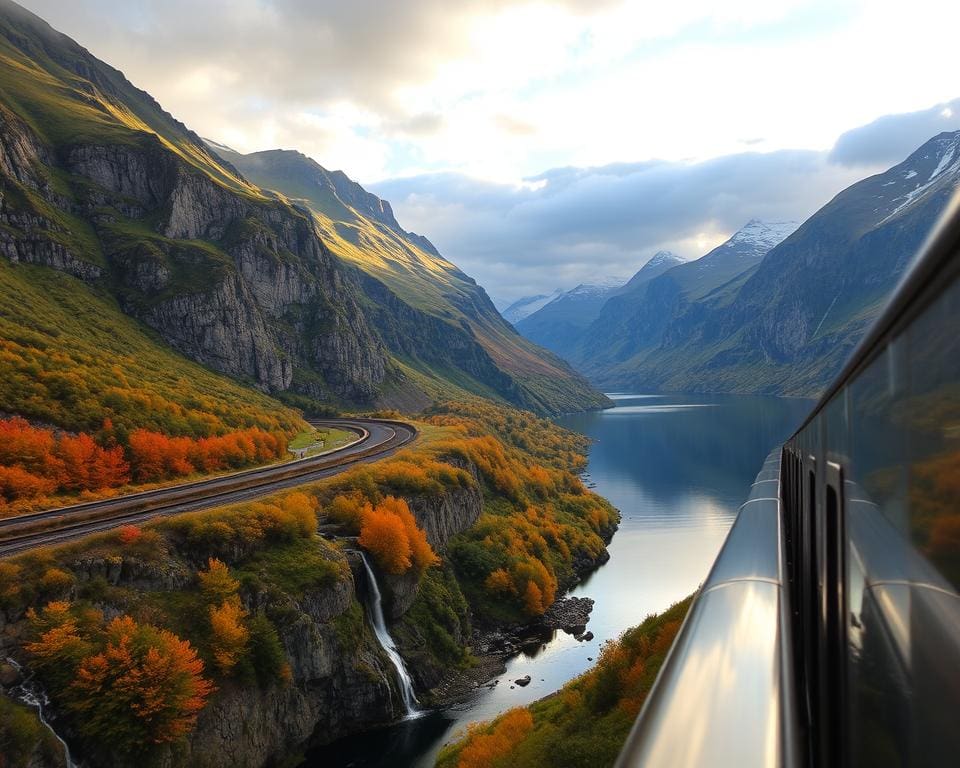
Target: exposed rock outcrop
239, 283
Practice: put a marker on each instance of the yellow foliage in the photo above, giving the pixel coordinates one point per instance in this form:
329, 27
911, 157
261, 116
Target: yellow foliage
229, 634
216, 583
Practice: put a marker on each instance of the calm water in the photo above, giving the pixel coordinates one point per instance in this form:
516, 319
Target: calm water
678, 467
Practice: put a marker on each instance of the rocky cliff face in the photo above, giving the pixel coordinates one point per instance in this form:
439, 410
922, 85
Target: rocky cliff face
441, 518
340, 684
341, 681
242, 285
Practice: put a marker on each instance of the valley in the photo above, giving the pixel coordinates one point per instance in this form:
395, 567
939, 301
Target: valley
279, 484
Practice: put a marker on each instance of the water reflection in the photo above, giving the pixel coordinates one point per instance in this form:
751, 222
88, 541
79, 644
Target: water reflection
678, 467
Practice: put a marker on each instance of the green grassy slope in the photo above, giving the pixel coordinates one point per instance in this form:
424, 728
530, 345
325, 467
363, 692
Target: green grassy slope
70, 357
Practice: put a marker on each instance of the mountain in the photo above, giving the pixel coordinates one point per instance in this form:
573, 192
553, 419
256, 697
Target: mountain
439, 326
559, 324
787, 324
659, 263
527, 305
634, 319
337, 305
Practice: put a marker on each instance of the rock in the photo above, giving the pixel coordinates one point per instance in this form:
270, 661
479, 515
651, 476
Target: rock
569, 613
523, 681
587, 637
9, 675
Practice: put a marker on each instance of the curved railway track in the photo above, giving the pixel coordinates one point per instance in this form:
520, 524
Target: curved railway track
377, 439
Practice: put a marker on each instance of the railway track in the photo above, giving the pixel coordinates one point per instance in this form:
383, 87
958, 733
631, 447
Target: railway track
377, 439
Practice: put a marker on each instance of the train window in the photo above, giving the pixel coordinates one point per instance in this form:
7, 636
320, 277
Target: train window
834, 642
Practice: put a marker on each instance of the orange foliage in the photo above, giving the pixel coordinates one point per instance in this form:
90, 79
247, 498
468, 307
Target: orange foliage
348, 508
499, 581
155, 457
58, 635
18, 483
130, 685
37, 462
146, 682
533, 600
56, 580
484, 749
384, 535
390, 533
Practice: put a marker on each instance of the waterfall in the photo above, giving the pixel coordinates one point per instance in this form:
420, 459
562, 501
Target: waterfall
386, 642
32, 694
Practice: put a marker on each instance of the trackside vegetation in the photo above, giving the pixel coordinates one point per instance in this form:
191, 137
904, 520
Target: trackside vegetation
198, 602
585, 723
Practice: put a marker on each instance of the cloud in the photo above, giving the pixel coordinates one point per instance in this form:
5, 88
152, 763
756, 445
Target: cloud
642, 110
589, 222
504, 88
570, 225
889, 139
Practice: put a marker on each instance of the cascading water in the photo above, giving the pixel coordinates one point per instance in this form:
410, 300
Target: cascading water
31, 693
386, 642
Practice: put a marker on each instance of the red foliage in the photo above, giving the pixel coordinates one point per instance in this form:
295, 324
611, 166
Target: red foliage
37, 462
155, 457
128, 684
129, 534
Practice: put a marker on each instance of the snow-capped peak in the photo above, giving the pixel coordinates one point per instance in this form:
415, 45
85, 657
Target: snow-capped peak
661, 257
526, 306
765, 234
911, 184
600, 285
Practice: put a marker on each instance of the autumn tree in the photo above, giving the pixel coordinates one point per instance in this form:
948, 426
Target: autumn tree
484, 749
384, 535
421, 553
533, 599
127, 684
389, 531
229, 633
216, 583
145, 687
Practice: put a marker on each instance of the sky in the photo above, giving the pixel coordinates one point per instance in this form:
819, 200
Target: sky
544, 144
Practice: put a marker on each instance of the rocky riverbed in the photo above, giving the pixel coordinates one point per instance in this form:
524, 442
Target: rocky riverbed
493, 646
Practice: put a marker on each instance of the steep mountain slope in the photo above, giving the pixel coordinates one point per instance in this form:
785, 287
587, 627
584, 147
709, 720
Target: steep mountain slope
435, 320
788, 325
658, 264
526, 306
561, 324
634, 319
99, 183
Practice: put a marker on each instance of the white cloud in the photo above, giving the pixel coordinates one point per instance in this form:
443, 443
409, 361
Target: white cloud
438, 85
642, 109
